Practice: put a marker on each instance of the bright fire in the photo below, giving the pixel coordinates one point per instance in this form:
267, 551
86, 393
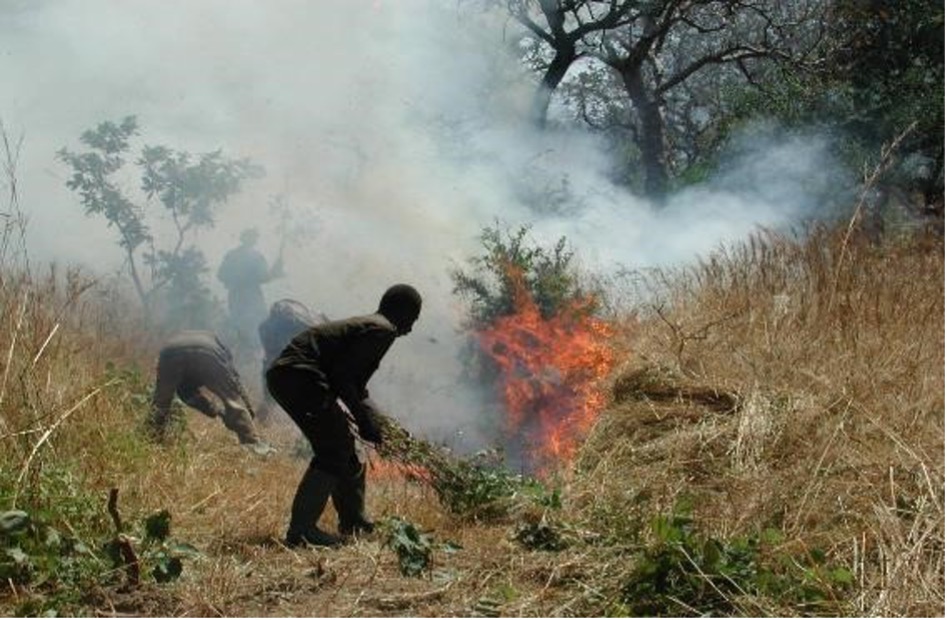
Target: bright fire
550, 375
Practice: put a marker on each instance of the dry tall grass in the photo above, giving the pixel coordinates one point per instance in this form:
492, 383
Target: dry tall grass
834, 351
779, 384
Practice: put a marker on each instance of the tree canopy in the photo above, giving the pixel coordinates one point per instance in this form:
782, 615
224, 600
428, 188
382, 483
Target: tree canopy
666, 81
166, 272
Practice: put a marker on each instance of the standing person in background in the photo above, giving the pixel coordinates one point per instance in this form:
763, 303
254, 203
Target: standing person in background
198, 368
324, 366
287, 318
243, 272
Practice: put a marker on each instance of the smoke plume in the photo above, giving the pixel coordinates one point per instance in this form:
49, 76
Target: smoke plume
395, 129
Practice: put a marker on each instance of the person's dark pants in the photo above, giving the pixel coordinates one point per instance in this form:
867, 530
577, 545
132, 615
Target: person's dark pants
307, 398
336, 468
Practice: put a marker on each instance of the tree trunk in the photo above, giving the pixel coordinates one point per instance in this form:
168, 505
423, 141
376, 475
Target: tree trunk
554, 74
139, 287
651, 141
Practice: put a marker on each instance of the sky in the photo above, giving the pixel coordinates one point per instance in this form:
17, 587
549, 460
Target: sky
396, 130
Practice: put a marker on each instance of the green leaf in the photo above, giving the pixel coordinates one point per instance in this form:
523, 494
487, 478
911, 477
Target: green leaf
53, 539
80, 548
411, 545
158, 526
667, 530
167, 569
14, 522
842, 576
17, 555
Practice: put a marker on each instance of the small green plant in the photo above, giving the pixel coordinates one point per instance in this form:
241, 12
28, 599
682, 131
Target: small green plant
32, 552
480, 488
160, 555
540, 535
413, 547
57, 542
683, 573
129, 384
538, 527
131, 389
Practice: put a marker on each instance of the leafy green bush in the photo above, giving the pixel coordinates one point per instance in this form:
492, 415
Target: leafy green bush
479, 488
36, 553
50, 567
132, 389
509, 267
60, 543
476, 487
130, 384
537, 287
540, 535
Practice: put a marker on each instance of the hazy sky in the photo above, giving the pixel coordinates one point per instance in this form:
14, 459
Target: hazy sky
395, 128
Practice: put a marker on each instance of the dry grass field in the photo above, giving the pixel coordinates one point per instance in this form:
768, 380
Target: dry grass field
773, 444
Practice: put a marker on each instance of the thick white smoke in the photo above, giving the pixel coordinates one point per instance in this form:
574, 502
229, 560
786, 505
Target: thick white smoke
396, 130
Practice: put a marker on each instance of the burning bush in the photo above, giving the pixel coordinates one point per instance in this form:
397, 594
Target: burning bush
548, 374
538, 344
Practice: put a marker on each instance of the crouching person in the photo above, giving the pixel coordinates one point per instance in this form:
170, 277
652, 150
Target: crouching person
199, 369
320, 367
287, 318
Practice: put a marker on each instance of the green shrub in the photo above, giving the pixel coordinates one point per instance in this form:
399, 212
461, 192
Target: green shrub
60, 542
511, 266
684, 573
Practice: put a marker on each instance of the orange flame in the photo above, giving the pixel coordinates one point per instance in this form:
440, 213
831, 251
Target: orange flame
550, 372
392, 471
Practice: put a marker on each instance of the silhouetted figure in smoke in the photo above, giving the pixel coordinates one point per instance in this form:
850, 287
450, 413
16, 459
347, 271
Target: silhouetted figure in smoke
199, 368
287, 318
243, 272
322, 368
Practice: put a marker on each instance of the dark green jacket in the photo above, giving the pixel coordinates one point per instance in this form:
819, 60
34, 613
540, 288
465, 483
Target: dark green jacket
347, 352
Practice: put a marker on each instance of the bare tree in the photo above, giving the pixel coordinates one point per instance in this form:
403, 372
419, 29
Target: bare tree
656, 48
565, 24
